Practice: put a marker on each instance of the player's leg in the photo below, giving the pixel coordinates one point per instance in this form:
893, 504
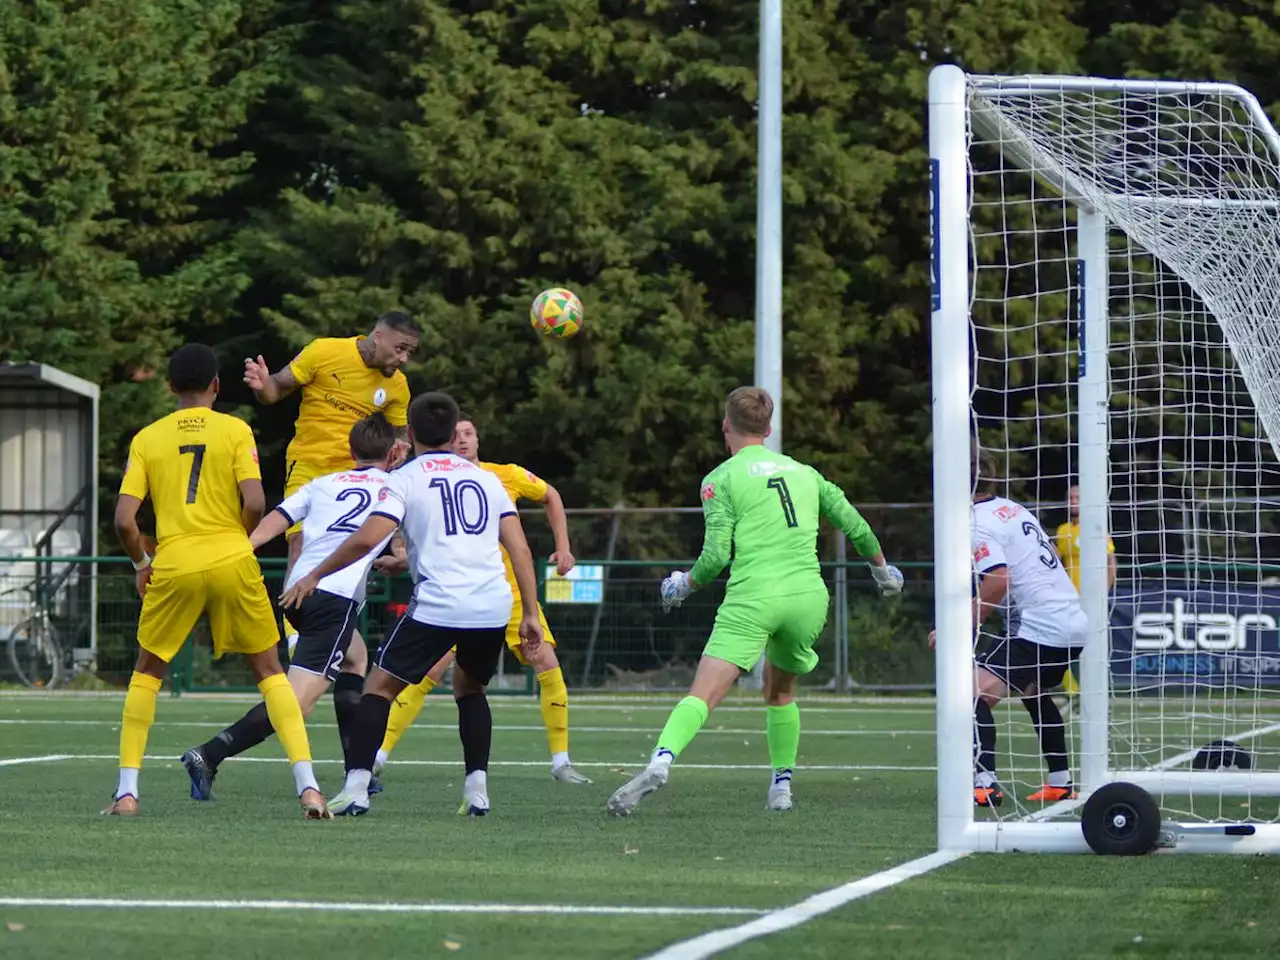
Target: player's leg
348, 688
326, 625
798, 623
737, 640
478, 654
407, 706
553, 694
991, 684
241, 621
409, 651
297, 475
170, 609
1053, 664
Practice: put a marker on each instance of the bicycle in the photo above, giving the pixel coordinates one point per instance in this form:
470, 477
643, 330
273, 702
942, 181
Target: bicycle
34, 645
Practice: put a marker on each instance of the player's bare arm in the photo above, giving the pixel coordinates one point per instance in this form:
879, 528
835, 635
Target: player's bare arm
511, 536
400, 452
253, 504
358, 545
563, 557
268, 387
126, 521
270, 527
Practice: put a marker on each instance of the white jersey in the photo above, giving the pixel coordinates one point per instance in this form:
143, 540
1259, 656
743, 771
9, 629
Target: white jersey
1046, 607
330, 509
449, 510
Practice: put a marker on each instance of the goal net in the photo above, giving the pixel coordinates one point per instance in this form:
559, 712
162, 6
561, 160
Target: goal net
1107, 318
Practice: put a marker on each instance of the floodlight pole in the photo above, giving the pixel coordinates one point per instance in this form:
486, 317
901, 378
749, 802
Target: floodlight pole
769, 214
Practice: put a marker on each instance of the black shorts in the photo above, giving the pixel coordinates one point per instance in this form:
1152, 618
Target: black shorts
1022, 664
325, 623
412, 649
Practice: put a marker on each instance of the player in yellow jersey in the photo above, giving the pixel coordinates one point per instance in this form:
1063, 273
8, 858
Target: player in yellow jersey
343, 380
521, 484
1067, 541
200, 470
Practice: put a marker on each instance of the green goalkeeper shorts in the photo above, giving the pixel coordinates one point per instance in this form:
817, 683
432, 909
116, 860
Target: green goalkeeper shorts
783, 628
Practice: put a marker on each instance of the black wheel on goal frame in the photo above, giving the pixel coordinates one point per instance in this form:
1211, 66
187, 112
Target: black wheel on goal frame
1121, 819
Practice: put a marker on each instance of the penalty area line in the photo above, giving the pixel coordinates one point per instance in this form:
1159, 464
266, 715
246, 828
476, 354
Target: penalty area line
355, 906
709, 944
47, 758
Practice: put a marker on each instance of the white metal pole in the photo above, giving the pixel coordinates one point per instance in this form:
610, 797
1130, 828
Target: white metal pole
952, 555
769, 214
1094, 385
769, 230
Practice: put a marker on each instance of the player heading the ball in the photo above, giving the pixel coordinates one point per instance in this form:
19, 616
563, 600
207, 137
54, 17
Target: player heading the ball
763, 507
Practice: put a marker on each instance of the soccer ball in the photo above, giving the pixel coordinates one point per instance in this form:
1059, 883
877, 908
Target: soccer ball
556, 313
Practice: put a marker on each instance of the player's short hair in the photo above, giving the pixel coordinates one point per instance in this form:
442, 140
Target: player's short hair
463, 415
983, 466
192, 368
372, 438
749, 411
399, 321
432, 417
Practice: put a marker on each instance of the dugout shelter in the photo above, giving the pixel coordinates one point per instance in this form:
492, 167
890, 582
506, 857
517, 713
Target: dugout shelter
49, 500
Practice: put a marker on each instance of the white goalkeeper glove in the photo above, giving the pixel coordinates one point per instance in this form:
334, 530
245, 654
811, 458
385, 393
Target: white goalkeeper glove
888, 579
675, 590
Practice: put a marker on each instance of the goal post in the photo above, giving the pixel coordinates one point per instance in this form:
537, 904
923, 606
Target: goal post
1106, 315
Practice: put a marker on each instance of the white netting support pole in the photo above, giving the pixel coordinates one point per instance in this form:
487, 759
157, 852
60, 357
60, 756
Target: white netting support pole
1093, 399
952, 558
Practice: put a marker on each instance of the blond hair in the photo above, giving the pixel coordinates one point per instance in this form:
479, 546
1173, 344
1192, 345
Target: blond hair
749, 411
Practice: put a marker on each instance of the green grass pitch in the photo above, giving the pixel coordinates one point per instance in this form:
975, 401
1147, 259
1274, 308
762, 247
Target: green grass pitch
701, 855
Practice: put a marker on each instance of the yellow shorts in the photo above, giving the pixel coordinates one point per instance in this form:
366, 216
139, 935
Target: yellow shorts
513, 631
234, 597
298, 473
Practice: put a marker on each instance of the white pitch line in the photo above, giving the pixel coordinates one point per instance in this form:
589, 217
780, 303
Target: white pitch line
15, 761
356, 906
632, 764
709, 944
510, 727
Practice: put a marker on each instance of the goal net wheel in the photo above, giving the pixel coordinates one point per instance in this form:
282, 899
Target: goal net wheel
1222, 755
1121, 819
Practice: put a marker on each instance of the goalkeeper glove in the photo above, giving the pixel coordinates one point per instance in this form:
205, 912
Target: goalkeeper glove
888, 579
675, 590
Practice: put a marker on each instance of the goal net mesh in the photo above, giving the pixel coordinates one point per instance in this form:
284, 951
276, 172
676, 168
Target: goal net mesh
1187, 182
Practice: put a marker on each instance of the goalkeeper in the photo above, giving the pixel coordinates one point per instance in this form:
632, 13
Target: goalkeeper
764, 507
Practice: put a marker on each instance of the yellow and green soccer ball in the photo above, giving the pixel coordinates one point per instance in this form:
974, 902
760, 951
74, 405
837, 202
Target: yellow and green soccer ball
556, 313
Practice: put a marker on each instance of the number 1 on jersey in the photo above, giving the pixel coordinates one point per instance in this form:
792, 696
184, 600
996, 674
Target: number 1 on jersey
197, 461
788, 508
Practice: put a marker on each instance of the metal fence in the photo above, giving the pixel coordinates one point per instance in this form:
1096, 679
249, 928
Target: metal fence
610, 630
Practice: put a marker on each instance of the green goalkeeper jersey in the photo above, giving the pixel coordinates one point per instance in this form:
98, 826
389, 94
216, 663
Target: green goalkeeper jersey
762, 508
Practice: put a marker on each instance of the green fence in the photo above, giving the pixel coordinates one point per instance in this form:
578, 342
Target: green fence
615, 637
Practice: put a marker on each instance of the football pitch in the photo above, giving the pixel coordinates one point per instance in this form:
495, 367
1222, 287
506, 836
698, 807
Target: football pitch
548, 873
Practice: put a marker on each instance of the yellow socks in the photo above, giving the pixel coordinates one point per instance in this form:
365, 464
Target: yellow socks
553, 697
286, 717
404, 710
139, 714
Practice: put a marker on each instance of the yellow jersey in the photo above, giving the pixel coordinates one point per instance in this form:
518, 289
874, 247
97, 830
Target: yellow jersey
337, 391
1068, 544
190, 464
520, 484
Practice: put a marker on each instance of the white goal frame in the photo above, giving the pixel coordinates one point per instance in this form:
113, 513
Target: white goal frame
958, 828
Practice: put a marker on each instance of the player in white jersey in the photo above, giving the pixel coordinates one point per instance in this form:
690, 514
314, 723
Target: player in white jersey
1015, 563
328, 648
453, 515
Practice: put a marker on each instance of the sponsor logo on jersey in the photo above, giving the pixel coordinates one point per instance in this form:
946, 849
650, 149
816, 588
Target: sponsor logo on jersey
383, 494
358, 478
441, 464
342, 405
767, 468
379, 397
1007, 513
708, 492
253, 452
981, 552
529, 475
